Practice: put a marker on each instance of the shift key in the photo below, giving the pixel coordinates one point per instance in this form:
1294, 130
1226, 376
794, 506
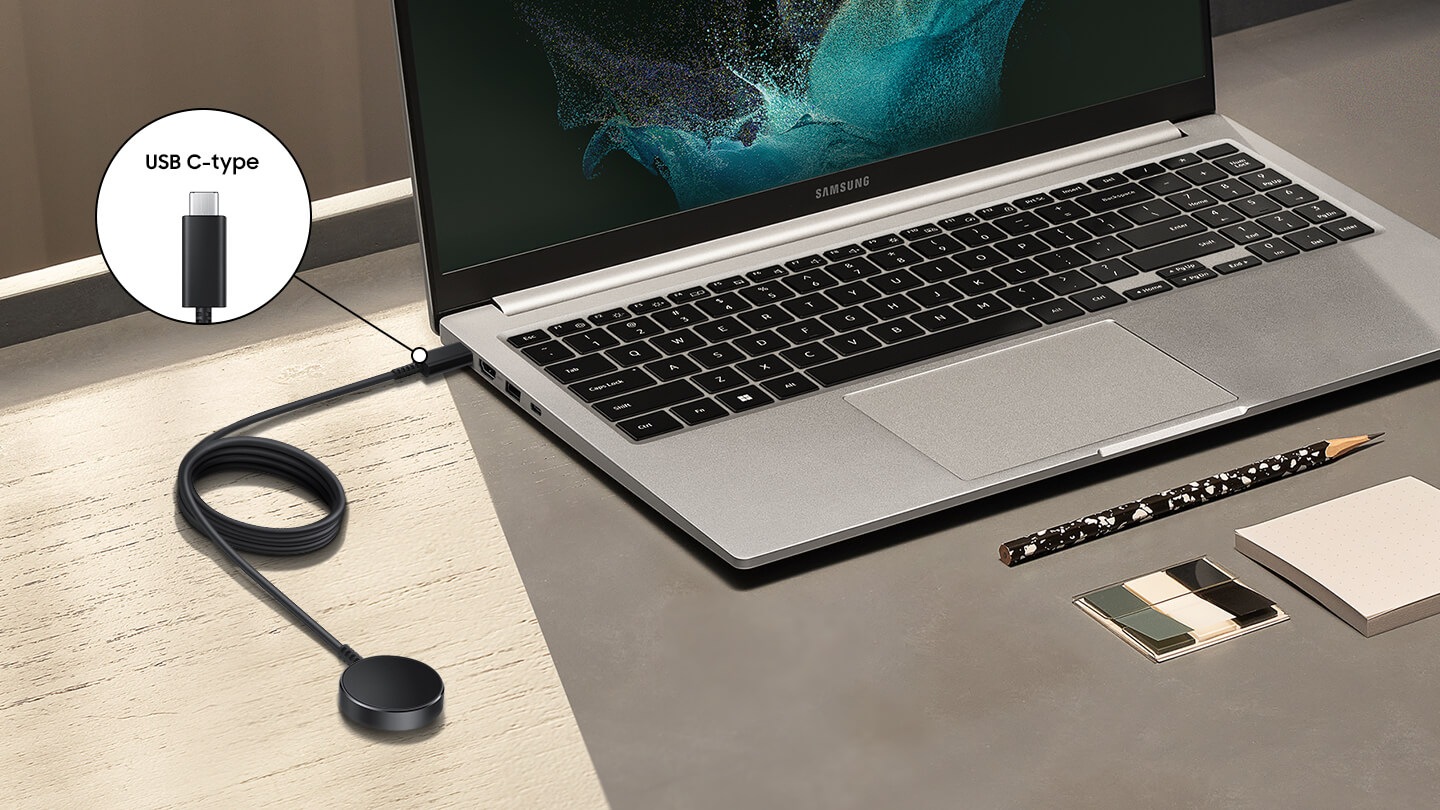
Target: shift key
649, 399
1192, 247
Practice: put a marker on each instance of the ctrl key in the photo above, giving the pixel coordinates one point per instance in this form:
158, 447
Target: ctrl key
646, 427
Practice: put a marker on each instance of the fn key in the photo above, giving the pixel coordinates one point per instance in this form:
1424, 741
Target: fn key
649, 426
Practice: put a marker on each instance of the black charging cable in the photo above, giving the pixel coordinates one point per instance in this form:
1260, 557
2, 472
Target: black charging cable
221, 451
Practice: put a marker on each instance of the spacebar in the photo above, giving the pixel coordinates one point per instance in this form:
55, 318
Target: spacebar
932, 345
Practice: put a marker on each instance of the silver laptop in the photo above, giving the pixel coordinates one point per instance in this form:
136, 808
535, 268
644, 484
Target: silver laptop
794, 272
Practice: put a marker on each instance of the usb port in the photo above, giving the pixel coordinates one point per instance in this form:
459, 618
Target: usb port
514, 392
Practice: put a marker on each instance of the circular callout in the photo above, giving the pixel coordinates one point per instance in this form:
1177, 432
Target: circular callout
203, 216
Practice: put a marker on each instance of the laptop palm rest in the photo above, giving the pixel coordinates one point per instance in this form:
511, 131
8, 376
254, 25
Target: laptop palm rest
1037, 400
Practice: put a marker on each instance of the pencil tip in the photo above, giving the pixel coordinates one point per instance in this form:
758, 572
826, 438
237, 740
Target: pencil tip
1373, 436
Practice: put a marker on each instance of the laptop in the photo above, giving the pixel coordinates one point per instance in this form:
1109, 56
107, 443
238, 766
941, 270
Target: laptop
793, 272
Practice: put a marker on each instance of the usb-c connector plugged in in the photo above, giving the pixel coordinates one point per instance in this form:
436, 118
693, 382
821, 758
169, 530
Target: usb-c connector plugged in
202, 239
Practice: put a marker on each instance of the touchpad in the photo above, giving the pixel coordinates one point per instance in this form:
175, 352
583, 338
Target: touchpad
1019, 405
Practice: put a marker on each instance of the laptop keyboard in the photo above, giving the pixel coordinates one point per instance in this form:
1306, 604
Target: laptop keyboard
775, 333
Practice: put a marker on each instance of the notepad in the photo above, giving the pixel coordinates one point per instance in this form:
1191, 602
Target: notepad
1372, 557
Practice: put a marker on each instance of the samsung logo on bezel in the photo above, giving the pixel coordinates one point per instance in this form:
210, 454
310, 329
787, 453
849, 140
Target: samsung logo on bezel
842, 188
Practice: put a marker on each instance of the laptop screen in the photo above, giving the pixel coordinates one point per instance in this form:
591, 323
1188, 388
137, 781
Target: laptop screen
542, 122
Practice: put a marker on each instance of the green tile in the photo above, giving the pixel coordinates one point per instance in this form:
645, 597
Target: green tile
1115, 601
1158, 632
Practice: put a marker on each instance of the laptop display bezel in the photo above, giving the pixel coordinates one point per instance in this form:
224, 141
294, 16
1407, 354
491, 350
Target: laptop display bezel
460, 289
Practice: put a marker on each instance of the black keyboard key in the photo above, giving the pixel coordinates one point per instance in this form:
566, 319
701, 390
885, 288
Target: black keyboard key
592, 341
689, 295
1115, 198
682, 340
892, 307
1191, 247
763, 368
1105, 248
1056, 311
609, 316
633, 354
671, 368
1219, 216
528, 339
716, 356
1227, 190
847, 319
810, 305
1105, 224
810, 281
650, 305
1257, 206
1218, 150
934, 320
1113, 270
1021, 223
649, 426
1167, 184
1146, 213
635, 328
722, 305
938, 270
1034, 201
727, 284
581, 368
1348, 228
1266, 179
896, 330
920, 232
744, 399
1203, 173
1098, 298
1142, 172
937, 246
961, 221
1015, 273
980, 235
976, 283
1066, 283
840, 254
1022, 247
1062, 260
1180, 161
721, 329
1318, 212
1109, 181
1062, 212
1153, 288
935, 295
807, 356
765, 274
1291, 196
719, 380
805, 263
851, 269
1023, 295
1070, 191
895, 258
765, 317
1237, 265
982, 306
1273, 249
570, 327
550, 352
981, 258
1191, 200
1311, 239
767, 293
1244, 233
1161, 232
1191, 277
647, 399
852, 343
1179, 269
1065, 235
791, 385
805, 331
923, 348
1240, 163
699, 412
762, 343
1283, 222
854, 293
678, 317
609, 385
996, 211
889, 240
898, 281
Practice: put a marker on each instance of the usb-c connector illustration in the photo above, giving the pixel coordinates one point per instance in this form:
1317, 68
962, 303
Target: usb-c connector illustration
202, 236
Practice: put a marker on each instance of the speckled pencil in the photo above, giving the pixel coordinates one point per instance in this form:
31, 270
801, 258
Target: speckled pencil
1193, 494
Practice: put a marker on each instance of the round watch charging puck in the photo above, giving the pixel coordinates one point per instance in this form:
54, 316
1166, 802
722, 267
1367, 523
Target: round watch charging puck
391, 693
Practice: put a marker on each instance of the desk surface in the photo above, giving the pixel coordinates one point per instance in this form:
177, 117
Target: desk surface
906, 669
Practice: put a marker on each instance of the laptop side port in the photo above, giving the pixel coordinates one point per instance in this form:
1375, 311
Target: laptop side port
514, 391
487, 369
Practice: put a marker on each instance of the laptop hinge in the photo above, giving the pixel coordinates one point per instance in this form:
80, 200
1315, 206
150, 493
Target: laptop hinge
805, 227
